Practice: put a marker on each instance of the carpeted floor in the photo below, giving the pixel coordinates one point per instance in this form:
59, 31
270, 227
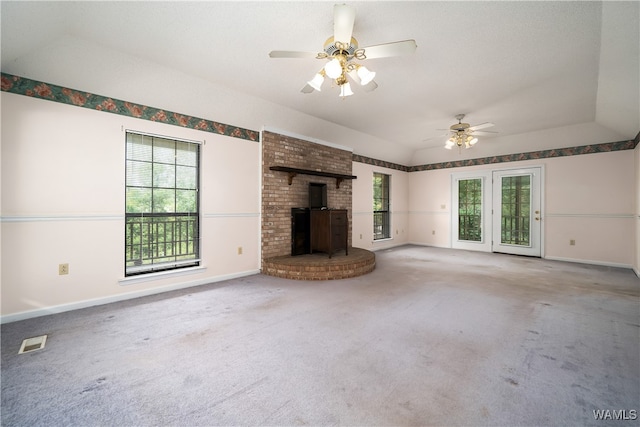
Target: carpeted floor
431, 337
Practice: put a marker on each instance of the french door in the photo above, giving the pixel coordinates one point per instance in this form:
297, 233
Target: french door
517, 212
498, 211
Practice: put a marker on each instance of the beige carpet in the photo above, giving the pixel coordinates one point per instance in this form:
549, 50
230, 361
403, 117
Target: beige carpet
431, 337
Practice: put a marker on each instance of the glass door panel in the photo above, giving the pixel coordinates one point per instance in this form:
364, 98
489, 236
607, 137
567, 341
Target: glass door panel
516, 212
470, 209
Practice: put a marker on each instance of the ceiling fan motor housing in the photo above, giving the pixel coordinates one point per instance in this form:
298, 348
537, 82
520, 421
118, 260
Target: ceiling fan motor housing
460, 127
332, 48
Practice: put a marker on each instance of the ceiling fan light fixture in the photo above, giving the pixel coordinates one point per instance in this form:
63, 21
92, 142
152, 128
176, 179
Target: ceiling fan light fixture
345, 90
462, 134
333, 68
317, 81
365, 75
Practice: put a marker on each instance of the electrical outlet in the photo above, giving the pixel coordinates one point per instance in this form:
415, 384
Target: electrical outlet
63, 269
239, 250
443, 206
572, 242
360, 236
433, 232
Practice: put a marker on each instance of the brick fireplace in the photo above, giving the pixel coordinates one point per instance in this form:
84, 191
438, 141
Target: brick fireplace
278, 197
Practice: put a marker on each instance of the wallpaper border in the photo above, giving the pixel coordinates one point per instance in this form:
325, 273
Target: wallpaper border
47, 91
532, 155
50, 92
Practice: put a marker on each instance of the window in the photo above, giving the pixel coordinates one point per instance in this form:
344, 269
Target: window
381, 223
470, 209
162, 229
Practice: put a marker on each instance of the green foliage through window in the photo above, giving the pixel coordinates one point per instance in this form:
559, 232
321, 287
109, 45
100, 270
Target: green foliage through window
516, 210
470, 209
161, 198
381, 214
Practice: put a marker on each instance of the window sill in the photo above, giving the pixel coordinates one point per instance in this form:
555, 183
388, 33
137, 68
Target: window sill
386, 239
160, 275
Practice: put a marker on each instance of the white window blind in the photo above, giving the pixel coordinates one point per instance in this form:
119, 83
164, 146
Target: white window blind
162, 227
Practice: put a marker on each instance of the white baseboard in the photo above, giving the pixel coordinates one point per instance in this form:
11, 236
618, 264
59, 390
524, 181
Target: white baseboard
587, 261
429, 245
120, 297
386, 244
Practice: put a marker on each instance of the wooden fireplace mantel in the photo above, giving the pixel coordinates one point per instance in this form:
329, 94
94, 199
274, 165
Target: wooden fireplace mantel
295, 171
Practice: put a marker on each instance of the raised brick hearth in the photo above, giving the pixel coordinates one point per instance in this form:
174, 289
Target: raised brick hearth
319, 266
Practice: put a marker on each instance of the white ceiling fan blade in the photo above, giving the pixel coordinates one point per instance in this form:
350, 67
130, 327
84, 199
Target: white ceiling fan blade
291, 54
404, 47
439, 137
484, 133
343, 19
481, 126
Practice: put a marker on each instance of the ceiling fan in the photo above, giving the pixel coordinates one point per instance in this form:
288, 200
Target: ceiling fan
463, 134
341, 50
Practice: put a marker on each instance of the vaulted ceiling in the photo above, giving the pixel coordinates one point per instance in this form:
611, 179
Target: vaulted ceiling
550, 70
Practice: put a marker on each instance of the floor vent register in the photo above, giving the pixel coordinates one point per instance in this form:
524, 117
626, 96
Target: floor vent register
33, 344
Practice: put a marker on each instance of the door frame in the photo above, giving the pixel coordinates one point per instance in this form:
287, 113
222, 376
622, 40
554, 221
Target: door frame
486, 245
536, 225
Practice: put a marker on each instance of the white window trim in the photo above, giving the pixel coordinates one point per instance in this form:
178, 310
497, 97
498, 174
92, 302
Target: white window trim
159, 275
485, 244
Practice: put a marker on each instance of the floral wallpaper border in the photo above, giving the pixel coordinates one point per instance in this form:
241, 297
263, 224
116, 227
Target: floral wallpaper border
50, 92
533, 155
24, 86
381, 163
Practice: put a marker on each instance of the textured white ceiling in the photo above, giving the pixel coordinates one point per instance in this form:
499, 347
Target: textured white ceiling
525, 66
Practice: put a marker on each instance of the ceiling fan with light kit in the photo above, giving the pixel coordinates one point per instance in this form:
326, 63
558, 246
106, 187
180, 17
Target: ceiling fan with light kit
341, 52
464, 135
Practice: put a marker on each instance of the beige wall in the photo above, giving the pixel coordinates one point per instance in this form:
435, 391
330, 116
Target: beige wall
587, 198
63, 202
363, 207
430, 207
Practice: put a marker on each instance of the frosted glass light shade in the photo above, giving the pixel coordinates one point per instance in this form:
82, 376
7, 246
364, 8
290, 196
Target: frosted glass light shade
333, 68
365, 75
316, 82
345, 90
